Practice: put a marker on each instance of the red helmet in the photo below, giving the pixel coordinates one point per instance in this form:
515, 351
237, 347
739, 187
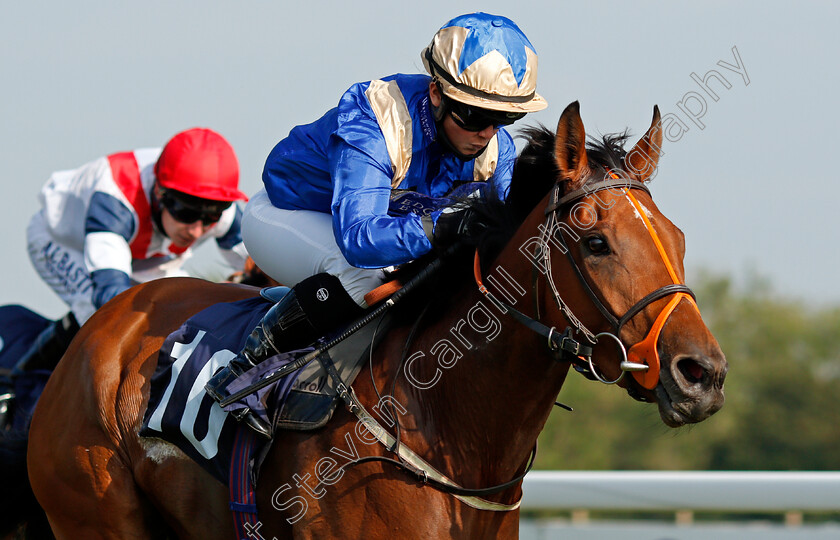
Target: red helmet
201, 163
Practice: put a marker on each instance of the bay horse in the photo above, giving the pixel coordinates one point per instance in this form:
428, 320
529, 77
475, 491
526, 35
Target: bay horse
469, 386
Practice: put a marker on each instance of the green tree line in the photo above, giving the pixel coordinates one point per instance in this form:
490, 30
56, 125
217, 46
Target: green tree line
782, 408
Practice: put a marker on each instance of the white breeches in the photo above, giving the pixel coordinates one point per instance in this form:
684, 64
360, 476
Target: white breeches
291, 245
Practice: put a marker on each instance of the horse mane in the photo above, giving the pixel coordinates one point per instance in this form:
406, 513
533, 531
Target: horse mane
534, 174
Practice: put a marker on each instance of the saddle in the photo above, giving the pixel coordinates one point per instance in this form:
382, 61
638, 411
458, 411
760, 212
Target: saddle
313, 395
180, 412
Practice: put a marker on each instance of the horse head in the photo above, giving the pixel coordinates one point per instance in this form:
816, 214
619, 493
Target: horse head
613, 267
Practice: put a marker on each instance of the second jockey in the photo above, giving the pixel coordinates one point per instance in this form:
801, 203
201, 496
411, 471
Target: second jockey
128, 218
364, 187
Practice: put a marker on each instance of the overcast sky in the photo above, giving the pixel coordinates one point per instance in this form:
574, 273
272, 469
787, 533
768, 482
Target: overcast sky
753, 189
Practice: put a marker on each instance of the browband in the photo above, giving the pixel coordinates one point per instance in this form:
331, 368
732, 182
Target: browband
556, 201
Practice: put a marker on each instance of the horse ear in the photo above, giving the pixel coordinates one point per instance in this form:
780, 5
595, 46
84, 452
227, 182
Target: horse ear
643, 158
570, 148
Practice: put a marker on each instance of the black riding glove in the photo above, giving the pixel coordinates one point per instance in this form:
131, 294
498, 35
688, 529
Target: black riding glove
449, 228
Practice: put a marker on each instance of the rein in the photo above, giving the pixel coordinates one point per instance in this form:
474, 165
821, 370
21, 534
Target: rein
642, 356
408, 460
563, 345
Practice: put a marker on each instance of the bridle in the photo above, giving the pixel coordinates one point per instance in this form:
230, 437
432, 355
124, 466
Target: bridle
642, 360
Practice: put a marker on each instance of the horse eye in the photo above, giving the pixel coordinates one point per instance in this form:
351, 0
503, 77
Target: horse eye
597, 245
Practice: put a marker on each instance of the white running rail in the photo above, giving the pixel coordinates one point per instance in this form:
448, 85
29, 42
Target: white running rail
675, 491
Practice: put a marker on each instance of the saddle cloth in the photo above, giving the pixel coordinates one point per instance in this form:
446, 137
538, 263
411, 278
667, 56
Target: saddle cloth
182, 413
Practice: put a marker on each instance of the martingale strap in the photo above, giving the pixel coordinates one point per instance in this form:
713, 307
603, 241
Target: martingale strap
413, 463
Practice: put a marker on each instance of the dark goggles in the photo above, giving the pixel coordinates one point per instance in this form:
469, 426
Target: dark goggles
188, 209
471, 118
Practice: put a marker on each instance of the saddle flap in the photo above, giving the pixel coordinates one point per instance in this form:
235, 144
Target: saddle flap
313, 397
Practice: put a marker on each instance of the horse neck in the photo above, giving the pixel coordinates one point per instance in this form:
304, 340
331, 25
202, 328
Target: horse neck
489, 382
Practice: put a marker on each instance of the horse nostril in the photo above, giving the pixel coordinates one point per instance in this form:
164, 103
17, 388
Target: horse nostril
721, 375
691, 370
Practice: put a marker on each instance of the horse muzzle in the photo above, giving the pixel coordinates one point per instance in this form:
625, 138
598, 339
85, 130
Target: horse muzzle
690, 388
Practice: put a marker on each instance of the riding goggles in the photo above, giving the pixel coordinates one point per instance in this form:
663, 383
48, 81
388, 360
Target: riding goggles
187, 209
471, 118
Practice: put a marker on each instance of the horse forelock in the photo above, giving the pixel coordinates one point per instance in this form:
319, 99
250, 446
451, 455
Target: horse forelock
606, 153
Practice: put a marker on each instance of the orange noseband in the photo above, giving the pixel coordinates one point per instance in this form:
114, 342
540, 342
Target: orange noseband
644, 352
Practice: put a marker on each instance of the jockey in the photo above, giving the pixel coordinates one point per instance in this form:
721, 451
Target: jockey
364, 187
128, 218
